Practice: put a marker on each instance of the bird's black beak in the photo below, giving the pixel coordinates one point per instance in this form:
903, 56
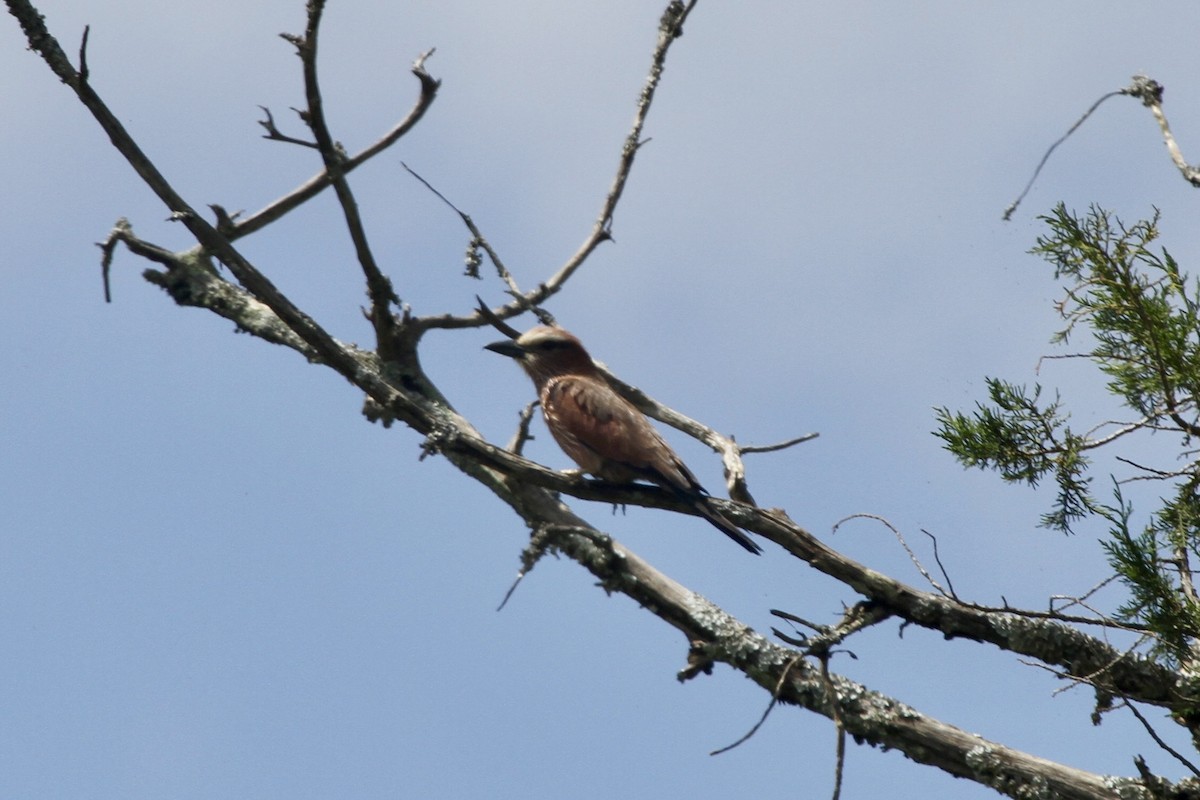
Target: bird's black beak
507, 348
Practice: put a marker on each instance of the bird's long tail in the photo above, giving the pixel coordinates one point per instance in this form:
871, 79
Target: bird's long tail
725, 526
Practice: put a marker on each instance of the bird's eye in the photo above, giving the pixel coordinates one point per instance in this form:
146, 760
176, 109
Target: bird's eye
552, 344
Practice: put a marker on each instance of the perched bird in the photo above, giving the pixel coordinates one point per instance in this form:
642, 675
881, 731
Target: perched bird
600, 430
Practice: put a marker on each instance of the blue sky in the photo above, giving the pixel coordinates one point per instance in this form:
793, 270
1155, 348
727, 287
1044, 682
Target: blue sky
217, 580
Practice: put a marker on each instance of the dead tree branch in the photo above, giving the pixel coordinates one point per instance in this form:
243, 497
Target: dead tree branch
1150, 92
277, 209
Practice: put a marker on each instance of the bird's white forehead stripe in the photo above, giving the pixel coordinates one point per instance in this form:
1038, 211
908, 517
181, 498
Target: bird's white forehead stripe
540, 334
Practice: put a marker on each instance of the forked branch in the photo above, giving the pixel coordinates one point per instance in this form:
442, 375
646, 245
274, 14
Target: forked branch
322, 180
379, 286
670, 28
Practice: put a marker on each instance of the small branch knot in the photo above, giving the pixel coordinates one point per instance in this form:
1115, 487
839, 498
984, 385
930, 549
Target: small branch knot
699, 661
672, 20
1146, 89
442, 435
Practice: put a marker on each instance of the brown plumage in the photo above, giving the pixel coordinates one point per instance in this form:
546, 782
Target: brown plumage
601, 431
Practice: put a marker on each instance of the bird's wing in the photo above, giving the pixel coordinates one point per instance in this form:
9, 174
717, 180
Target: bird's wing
610, 428
607, 436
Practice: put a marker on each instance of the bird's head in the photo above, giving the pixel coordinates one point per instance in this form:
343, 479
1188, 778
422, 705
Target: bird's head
546, 352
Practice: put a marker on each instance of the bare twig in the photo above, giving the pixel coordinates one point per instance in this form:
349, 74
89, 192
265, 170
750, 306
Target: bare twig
122, 232
379, 286
794, 641
274, 134
900, 538
1159, 740
495, 321
1037, 368
322, 346
517, 443
670, 28
839, 728
798, 620
539, 544
855, 618
1081, 600
1153, 474
83, 42
118, 233
766, 712
1008, 212
322, 180
1123, 429
735, 468
772, 448
1073, 619
479, 240
937, 558
1150, 92
1091, 678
